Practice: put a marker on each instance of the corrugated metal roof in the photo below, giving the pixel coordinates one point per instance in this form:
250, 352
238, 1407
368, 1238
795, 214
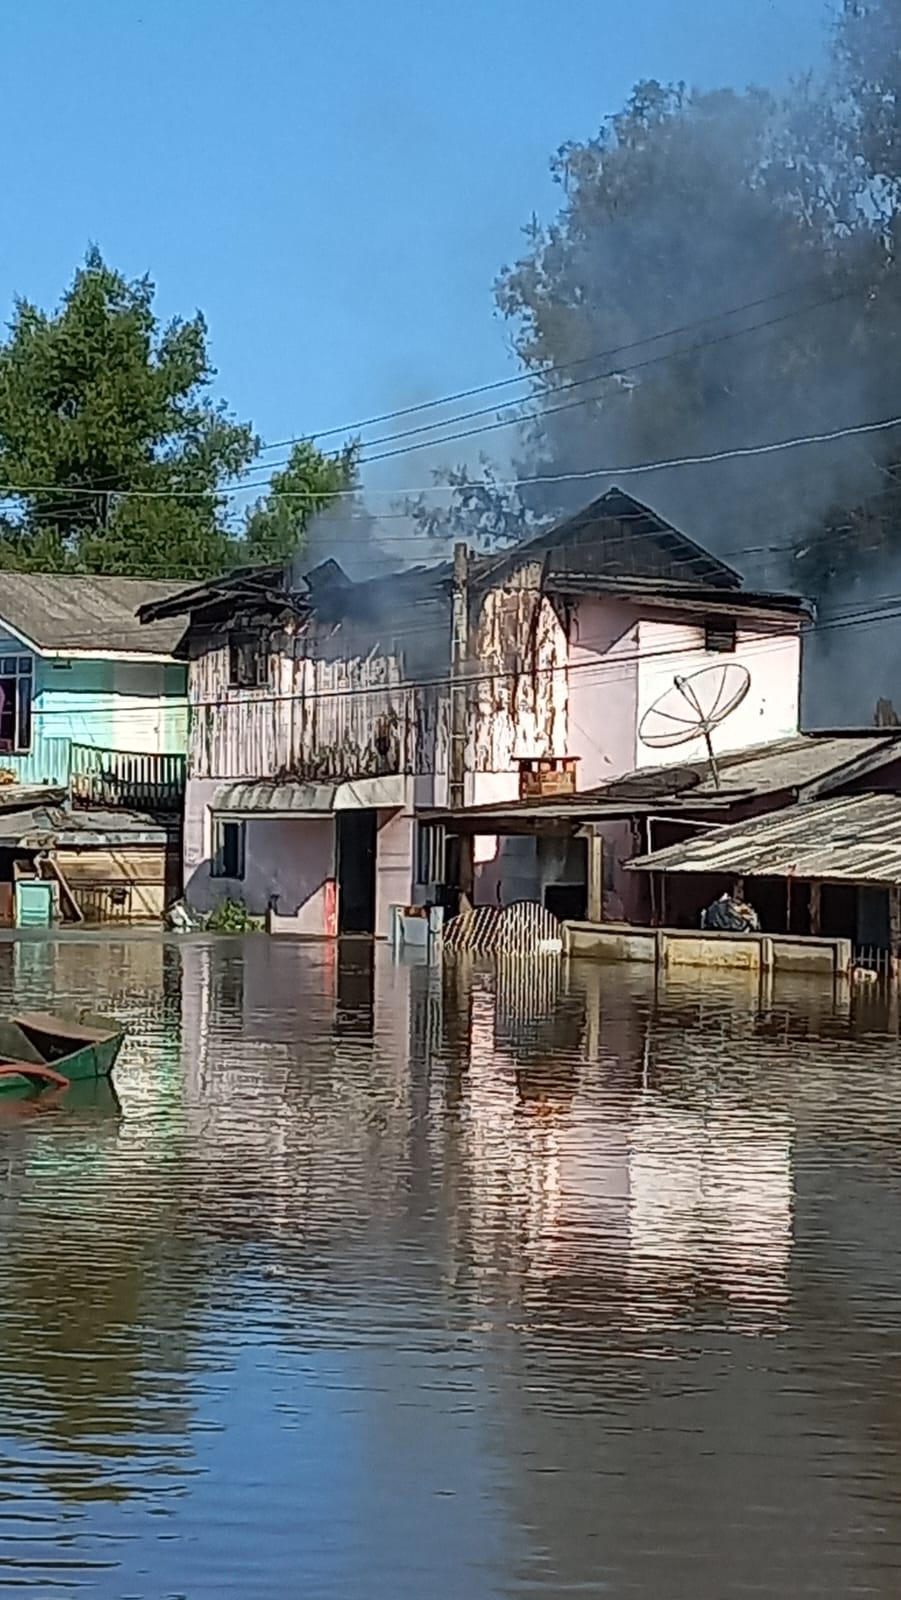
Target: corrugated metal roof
764, 769
270, 799
64, 611
264, 799
47, 824
849, 838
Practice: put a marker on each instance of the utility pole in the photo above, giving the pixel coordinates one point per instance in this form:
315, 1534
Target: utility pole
458, 712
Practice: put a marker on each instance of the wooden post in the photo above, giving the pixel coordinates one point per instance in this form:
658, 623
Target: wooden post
814, 902
595, 907
894, 923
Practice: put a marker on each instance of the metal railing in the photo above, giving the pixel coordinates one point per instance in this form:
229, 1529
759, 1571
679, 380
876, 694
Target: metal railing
132, 779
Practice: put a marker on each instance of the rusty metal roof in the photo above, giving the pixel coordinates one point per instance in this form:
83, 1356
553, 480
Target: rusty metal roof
849, 838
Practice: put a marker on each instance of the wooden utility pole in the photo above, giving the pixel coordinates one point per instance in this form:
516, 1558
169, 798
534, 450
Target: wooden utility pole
459, 655
458, 712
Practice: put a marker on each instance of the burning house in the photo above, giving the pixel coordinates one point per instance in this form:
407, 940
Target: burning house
340, 731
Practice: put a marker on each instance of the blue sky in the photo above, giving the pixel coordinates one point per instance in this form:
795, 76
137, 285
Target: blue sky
334, 184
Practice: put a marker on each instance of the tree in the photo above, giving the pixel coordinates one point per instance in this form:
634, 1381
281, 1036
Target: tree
722, 273
483, 510
278, 525
114, 454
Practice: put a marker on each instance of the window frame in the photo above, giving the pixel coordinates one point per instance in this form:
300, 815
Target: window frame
220, 857
17, 670
248, 661
723, 629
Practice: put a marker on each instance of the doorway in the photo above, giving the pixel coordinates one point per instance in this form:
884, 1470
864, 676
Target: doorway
356, 838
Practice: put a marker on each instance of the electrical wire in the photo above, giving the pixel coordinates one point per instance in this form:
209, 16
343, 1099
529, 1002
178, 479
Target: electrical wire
666, 464
351, 428
240, 487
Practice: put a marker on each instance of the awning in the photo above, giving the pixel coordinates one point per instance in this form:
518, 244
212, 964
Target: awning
244, 801
848, 839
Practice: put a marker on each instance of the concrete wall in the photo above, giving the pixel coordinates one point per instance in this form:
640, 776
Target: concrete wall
672, 948
293, 860
621, 659
394, 866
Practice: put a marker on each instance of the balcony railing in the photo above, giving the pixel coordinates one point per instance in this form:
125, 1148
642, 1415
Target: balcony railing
126, 779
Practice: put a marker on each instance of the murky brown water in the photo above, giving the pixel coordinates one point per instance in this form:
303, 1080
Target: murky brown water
378, 1290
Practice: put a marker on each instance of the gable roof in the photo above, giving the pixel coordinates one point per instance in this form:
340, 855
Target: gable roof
75, 614
616, 536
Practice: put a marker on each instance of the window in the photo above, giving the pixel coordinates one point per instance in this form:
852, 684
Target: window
719, 635
429, 853
227, 856
247, 662
16, 687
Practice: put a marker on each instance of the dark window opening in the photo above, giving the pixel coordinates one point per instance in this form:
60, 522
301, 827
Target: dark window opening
720, 635
228, 849
16, 685
430, 843
247, 663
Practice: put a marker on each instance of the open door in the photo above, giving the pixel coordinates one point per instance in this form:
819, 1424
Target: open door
357, 833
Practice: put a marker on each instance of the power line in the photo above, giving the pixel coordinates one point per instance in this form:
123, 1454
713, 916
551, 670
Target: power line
569, 405
243, 487
543, 372
618, 471
886, 608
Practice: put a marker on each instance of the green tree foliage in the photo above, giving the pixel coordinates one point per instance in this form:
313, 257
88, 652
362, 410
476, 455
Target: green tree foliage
115, 457
310, 483
98, 402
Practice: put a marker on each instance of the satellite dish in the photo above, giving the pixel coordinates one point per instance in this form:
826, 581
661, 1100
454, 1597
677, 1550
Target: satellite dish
693, 707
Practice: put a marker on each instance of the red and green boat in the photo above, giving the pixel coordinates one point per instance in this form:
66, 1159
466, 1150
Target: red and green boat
42, 1051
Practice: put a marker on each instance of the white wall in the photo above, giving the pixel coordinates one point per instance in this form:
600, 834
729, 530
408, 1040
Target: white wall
394, 866
603, 689
769, 711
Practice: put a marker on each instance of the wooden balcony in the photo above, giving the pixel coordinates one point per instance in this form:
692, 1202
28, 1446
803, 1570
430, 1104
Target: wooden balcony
131, 780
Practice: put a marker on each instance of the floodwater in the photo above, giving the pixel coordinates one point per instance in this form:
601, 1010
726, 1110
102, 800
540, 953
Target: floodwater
381, 1285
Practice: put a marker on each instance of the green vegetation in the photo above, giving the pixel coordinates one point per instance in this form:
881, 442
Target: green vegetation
113, 456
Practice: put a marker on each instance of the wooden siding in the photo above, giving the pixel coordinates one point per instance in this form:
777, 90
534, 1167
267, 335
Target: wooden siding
332, 707
313, 718
122, 884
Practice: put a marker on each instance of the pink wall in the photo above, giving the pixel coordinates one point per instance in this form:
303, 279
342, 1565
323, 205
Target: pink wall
289, 859
393, 866
603, 689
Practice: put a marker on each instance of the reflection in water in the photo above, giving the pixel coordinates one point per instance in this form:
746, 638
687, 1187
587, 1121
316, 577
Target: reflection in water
384, 1281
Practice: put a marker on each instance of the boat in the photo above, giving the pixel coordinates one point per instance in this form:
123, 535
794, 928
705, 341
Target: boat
41, 1051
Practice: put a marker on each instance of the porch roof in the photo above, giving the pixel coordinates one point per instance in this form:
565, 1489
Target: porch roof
846, 839
247, 800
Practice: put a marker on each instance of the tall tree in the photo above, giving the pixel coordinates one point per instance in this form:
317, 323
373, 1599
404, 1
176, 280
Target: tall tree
113, 454
310, 483
722, 273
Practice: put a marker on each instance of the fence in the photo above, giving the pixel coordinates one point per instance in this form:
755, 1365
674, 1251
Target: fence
131, 779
